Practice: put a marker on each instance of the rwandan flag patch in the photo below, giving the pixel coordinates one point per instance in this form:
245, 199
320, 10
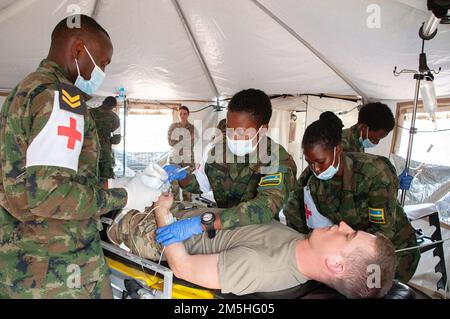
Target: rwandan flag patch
271, 181
376, 215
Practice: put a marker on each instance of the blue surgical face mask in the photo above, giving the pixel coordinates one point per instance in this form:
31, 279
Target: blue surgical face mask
242, 147
330, 171
97, 77
366, 143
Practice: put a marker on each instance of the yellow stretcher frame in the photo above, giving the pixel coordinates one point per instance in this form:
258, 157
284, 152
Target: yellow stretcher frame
155, 282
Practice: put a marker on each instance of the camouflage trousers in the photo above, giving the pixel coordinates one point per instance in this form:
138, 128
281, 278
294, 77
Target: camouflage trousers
96, 290
137, 230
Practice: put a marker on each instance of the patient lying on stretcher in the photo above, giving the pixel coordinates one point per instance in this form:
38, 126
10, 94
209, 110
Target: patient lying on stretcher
273, 257
262, 258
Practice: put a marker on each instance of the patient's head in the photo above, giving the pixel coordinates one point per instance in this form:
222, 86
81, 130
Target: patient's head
355, 263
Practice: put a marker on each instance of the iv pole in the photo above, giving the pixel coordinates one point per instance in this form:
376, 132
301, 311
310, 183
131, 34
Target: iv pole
427, 32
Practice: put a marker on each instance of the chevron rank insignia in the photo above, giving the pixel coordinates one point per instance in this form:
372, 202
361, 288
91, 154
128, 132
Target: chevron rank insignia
70, 99
271, 181
376, 216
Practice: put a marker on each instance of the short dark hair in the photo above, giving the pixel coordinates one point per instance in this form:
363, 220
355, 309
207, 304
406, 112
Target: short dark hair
354, 282
87, 26
110, 102
377, 116
254, 102
327, 130
184, 108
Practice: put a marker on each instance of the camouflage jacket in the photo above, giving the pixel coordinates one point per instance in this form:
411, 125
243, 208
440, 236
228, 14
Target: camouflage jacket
253, 188
106, 124
175, 137
368, 187
49, 214
350, 140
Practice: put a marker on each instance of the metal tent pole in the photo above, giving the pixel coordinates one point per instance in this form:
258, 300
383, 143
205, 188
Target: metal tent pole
96, 9
196, 48
313, 50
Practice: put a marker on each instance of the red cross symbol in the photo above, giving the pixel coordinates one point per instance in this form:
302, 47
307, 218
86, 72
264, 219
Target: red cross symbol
307, 212
71, 132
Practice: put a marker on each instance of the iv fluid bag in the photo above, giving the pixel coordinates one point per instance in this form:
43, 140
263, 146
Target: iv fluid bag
428, 96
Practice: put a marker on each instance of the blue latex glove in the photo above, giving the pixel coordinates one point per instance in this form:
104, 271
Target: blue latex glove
174, 173
179, 231
405, 180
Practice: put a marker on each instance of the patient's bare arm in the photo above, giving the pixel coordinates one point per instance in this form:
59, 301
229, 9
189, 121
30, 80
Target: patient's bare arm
162, 209
198, 269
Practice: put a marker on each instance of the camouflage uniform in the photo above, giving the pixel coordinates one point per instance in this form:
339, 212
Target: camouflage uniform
175, 138
49, 214
369, 182
106, 123
253, 192
350, 140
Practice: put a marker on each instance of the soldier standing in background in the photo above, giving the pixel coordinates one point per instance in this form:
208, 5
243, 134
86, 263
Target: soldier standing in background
182, 136
107, 123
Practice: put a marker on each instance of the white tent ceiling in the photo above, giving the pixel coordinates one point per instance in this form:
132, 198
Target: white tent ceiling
280, 46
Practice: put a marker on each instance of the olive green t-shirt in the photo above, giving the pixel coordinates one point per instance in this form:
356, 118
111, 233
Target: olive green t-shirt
254, 258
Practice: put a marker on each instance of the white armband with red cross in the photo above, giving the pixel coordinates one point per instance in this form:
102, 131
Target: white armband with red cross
60, 142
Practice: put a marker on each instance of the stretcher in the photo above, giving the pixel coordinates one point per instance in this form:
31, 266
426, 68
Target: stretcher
137, 278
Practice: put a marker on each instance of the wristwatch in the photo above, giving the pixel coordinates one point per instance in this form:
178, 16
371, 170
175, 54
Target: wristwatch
208, 220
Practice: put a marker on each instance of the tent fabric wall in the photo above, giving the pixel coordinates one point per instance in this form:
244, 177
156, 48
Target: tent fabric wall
279, 127
242, 45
